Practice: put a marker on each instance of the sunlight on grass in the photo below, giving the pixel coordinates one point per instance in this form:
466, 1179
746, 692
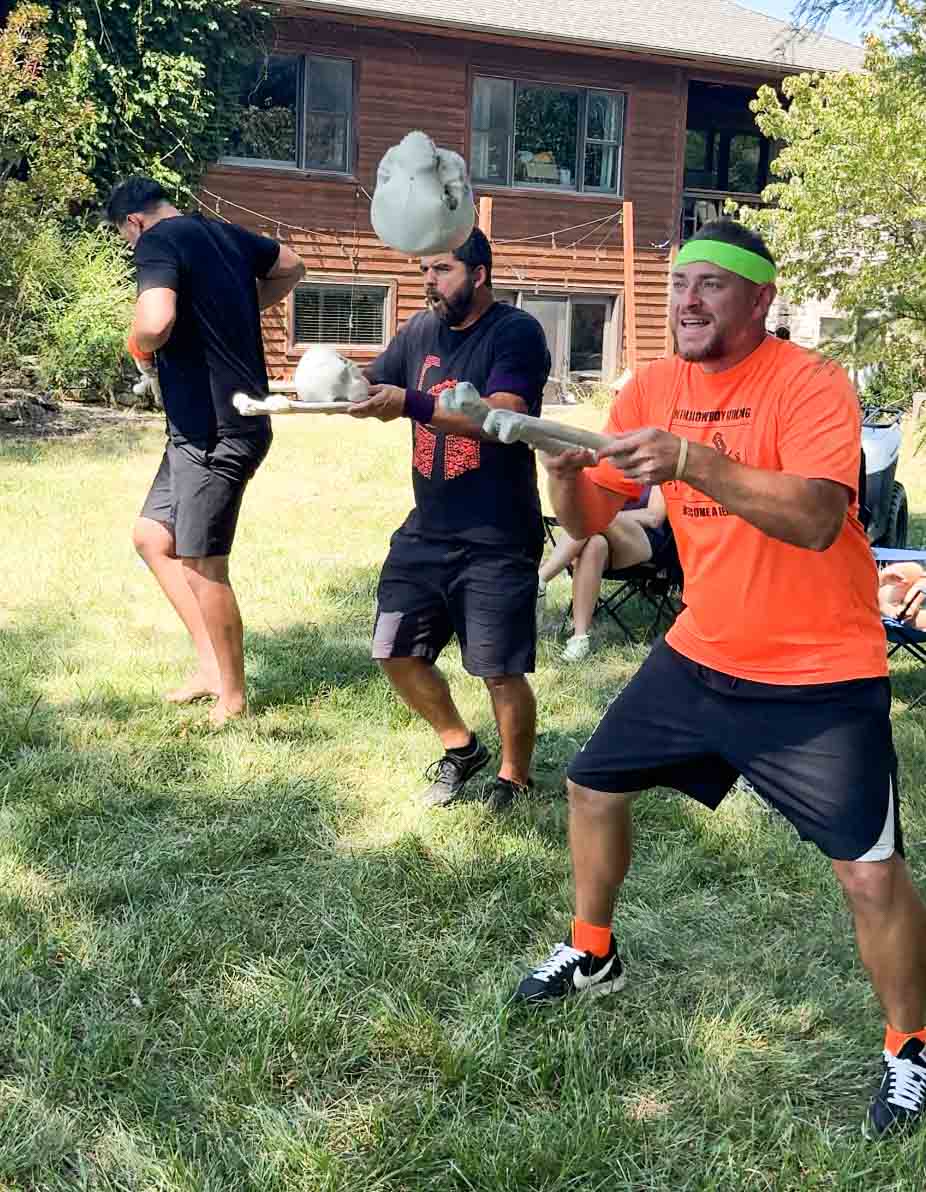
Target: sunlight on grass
252, 961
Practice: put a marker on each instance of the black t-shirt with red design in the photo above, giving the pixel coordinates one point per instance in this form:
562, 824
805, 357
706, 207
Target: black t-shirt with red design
472, 490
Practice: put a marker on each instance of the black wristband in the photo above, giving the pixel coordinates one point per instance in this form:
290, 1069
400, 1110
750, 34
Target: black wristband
418, 406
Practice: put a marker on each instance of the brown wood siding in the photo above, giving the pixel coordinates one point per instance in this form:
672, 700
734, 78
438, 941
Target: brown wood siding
408, 80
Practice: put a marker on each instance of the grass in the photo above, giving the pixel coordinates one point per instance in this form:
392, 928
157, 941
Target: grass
251, 962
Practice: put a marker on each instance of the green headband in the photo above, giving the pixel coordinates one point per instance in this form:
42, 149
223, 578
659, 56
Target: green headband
728, 256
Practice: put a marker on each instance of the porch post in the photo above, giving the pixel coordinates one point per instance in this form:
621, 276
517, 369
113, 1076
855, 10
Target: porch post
485, 215
630, 296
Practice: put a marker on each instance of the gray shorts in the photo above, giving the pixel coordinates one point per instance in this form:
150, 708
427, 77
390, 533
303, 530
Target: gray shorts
197, 492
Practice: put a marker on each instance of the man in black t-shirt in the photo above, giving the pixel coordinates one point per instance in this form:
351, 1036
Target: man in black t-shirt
201, 287
465, 560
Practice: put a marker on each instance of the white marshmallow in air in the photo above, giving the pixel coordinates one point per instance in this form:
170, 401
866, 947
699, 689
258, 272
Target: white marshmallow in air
423, 203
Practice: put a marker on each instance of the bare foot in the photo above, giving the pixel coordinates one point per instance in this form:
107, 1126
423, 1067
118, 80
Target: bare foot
197, 687
221, 712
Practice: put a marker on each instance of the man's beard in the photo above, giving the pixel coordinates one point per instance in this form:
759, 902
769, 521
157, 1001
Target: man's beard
454, 311
714, 349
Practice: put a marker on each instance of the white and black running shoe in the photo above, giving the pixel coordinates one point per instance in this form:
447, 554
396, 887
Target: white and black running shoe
567, 971
899, 1102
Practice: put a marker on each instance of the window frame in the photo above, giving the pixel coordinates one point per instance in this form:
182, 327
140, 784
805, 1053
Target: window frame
583, 91
345, 281
612, 355
720, 139
304, 59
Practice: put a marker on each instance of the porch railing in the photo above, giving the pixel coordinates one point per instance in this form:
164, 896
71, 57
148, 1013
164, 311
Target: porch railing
701, 206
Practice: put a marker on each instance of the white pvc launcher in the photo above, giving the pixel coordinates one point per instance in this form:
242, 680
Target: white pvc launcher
325, 383
423, 202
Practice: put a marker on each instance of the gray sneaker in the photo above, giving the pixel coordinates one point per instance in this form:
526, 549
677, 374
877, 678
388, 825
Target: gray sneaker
450, 775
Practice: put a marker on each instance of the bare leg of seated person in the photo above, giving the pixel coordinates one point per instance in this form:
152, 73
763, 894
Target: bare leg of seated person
561, 556
154, 542
623, 544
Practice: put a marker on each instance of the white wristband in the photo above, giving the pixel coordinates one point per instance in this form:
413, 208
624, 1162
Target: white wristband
682, 458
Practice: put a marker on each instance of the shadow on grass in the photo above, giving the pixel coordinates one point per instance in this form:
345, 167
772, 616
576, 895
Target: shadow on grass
908, 683
28, 653
193, 952
305, 662
110, 439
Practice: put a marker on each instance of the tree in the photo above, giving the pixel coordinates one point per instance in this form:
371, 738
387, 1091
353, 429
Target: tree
47, 129
848, 213
165, 79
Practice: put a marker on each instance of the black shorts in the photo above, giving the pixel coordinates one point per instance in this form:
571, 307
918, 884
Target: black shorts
430, 590
656, 539
822, 754
197, 492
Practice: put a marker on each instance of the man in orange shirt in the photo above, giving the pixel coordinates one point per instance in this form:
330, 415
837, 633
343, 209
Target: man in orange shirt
776, 669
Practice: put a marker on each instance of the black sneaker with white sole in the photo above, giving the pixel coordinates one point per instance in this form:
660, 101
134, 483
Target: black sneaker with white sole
567, 971
450, 774
900, 1101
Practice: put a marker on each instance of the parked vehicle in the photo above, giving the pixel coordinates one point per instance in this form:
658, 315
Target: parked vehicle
884, 500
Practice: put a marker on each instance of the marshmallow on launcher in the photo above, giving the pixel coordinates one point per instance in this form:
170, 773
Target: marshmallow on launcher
323, 375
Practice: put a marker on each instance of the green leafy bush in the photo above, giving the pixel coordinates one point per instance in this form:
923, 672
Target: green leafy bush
165, 78
71, 310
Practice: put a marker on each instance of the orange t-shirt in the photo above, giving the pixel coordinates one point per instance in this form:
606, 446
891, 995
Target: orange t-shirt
758, 608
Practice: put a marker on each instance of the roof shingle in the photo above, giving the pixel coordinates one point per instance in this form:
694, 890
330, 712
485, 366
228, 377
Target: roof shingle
713, 30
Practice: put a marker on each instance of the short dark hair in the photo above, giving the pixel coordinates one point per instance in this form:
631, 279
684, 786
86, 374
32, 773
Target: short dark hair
783, 332
475, 251
732, 232
132, 196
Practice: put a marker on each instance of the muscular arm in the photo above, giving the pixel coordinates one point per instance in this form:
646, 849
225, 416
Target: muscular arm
803, 512
457, 424
282, 278
155, 314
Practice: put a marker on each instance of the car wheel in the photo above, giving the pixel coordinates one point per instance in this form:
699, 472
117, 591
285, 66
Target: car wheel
896, 533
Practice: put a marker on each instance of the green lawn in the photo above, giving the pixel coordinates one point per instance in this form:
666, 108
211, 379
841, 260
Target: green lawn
249, 961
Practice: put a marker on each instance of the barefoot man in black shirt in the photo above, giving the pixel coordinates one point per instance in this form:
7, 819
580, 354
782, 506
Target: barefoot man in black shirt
464, 562
201, 287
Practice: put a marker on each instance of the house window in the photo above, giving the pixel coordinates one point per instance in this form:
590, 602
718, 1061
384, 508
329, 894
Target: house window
724, 160
296, 111
526, 134
342, 314
743, 163
582, 333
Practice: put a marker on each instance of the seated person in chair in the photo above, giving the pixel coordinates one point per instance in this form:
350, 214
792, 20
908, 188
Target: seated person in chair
634, 536
902, 593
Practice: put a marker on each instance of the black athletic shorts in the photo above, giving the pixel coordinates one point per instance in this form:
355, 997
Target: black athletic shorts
656, 539
822, 754
197, 492
431, 589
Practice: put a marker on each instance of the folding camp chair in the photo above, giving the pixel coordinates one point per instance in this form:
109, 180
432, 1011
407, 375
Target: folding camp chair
657, 583
900, 636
